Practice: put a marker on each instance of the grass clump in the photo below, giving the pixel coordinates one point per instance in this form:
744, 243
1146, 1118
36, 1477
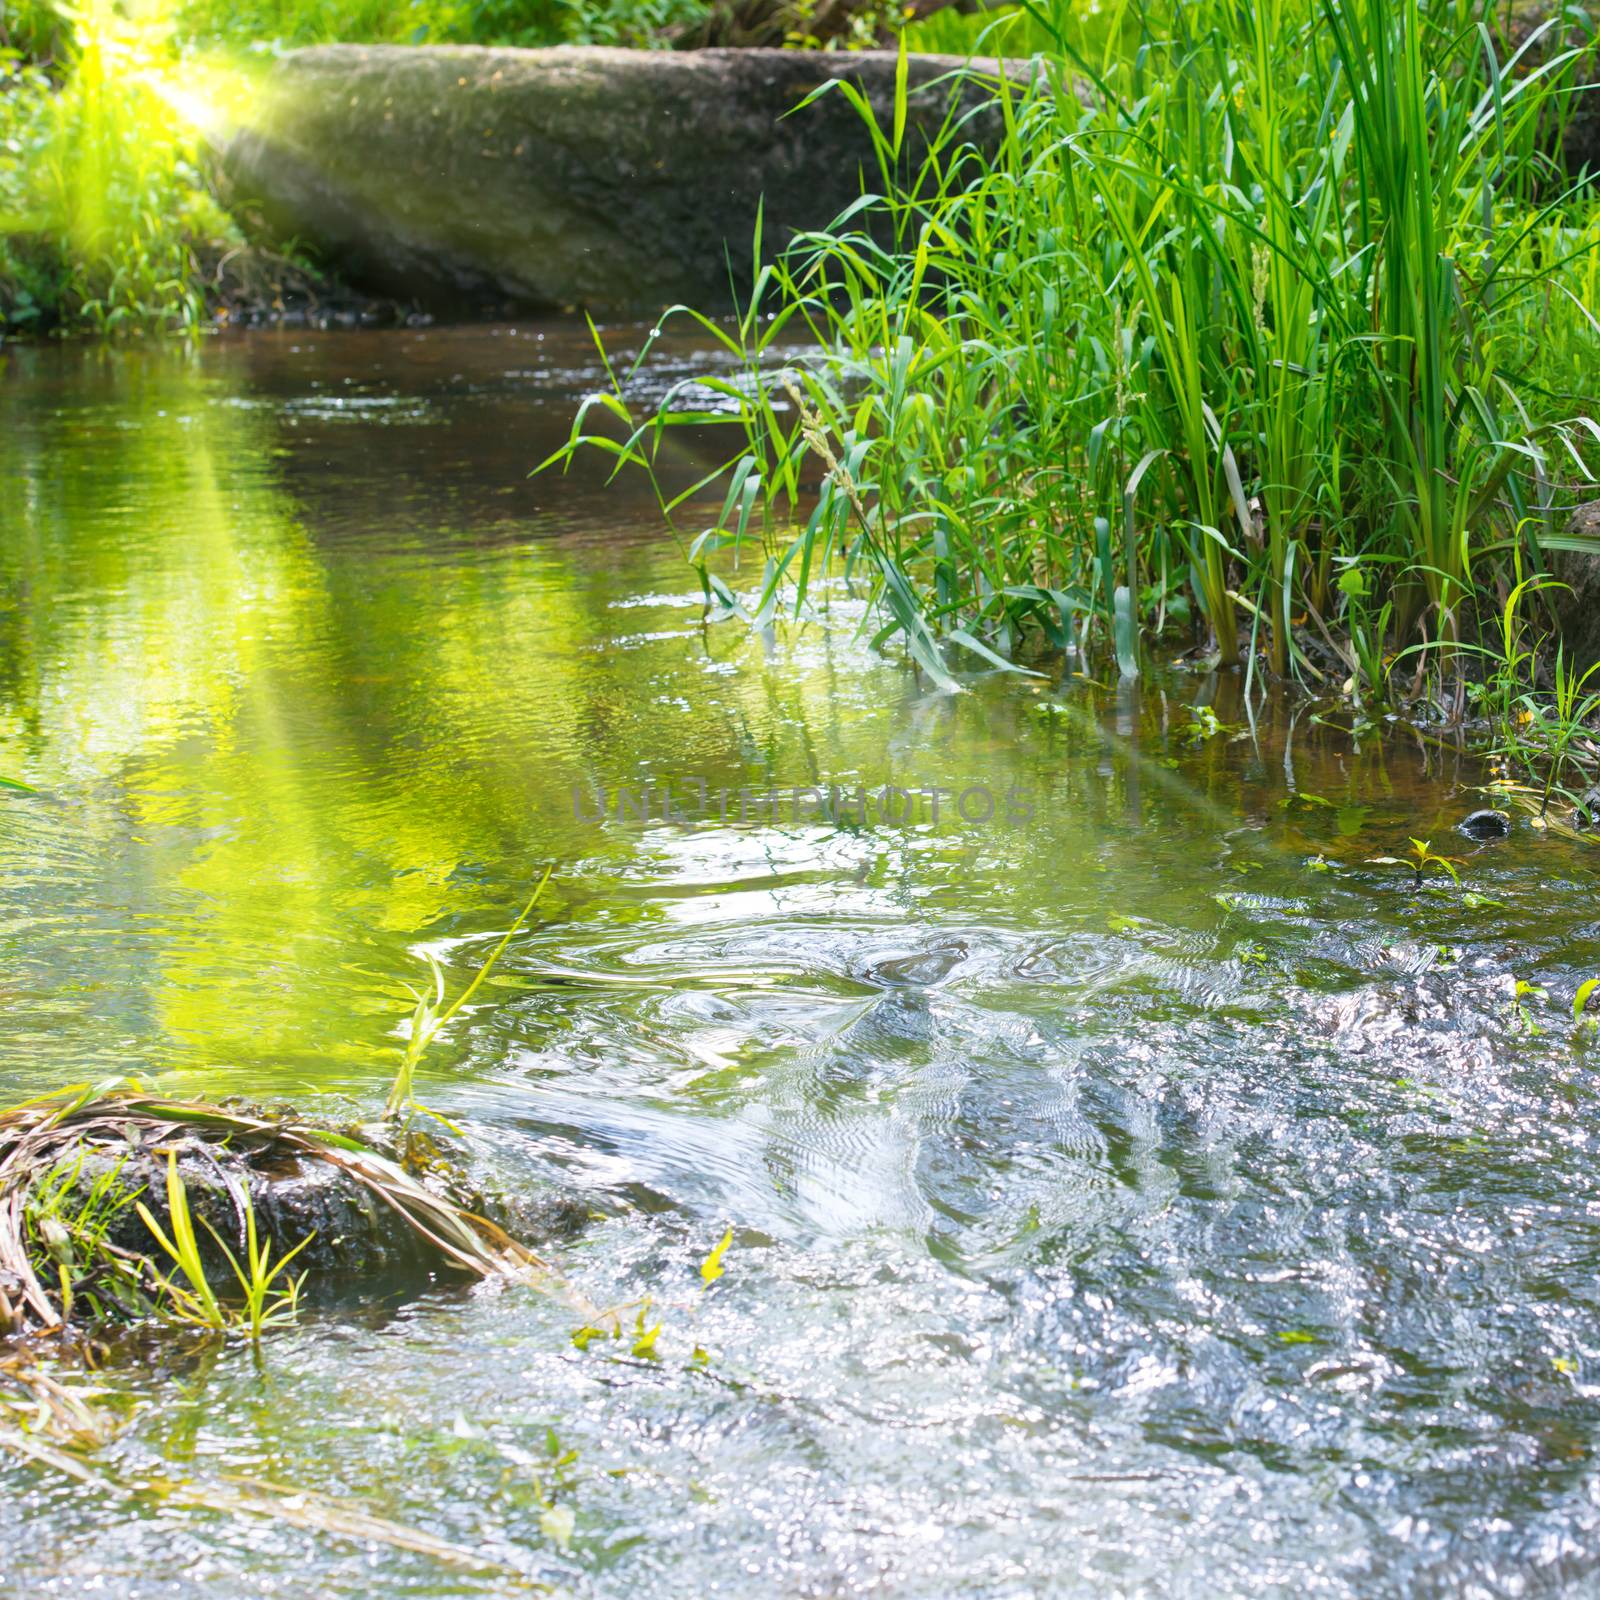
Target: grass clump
70, 1172
263, 1305
1233, 320
431, 1015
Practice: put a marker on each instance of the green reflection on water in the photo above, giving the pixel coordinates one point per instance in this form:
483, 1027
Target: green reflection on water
308, 671
263, 750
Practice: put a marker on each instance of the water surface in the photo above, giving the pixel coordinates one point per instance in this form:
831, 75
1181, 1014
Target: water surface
1136, 1191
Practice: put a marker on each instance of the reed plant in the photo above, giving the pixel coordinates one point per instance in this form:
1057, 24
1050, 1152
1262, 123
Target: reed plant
430, 1015
1188, 317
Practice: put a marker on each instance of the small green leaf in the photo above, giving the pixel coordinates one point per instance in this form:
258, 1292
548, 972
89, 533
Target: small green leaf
1581, 999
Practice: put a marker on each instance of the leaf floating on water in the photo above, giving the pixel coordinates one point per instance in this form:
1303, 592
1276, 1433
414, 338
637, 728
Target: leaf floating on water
557, 1525
711, 1268
1581, 999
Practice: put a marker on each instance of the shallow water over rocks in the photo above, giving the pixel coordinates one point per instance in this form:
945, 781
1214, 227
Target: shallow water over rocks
1135, 1190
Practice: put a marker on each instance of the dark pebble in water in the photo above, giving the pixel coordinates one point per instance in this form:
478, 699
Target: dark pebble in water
1486, 825
1586, 814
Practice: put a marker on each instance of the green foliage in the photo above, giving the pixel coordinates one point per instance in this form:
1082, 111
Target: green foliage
102, 207
489, 22
263, 1304
1005, 30
65, 1230
1587, 1025
1538, 705
106, 219
1524, 997
305, 22
194, 1300
34, 29
1253, 308
1422, 859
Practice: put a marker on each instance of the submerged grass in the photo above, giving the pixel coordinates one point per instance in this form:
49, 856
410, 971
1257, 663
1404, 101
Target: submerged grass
1237, 319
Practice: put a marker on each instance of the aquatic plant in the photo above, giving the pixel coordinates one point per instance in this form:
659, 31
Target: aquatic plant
1233, 313
1524, 996
1539, 705
1420, 860
196, 1301
1580, 1000
431, 1014
62, 1269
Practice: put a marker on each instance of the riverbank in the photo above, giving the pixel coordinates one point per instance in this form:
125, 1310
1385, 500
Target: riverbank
1302, 376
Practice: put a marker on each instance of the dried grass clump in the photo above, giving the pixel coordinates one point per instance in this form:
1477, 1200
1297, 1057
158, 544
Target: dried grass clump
69, 1247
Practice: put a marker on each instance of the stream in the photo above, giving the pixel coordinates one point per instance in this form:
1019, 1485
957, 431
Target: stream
1135, 1189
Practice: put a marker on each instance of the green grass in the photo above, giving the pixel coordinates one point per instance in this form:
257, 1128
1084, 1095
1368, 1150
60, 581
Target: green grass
1290, 292
102, 209
1008, 30
490, 22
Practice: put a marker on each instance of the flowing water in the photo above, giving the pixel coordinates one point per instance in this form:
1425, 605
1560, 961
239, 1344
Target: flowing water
1134, 1189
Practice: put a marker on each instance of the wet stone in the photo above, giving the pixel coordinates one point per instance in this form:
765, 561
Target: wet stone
355, 1236
1487, 825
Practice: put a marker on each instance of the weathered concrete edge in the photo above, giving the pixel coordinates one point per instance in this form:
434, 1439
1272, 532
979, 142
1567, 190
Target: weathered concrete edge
613, 179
